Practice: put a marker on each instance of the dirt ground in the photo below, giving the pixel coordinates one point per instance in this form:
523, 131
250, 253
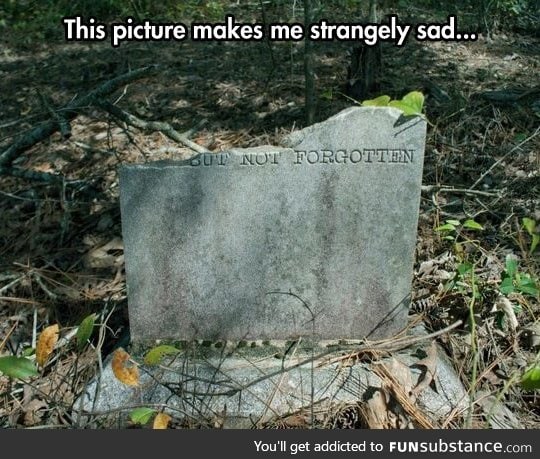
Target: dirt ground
61, 253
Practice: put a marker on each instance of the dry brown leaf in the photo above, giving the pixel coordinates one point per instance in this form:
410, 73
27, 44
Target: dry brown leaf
46, 343
503, 304
430, 363
375, 411
127, 374
161, 421
106, 256
33, 412
294, 421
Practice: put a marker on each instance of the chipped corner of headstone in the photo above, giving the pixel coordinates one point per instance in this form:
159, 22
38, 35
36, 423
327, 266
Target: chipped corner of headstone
395, 118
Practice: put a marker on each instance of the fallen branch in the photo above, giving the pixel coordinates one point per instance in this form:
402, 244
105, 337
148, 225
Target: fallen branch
389, 345
160, 126
68, 112
31, 175
502, 158
448, 189
58, 116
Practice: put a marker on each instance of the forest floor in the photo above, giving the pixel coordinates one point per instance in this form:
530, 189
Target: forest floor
61, 255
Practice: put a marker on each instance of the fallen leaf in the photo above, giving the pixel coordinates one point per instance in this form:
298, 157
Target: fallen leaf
430, 364
375, 411
156, 354
17, 367
46, 343
33, 412
503, 304
129, 375
85, 330
141, 415
161, 421
106, 256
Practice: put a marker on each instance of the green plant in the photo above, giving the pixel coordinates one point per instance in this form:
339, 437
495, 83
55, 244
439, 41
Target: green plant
17, 367
531, 378
141, 415
411, 104
463, 281
534, 232
451, 229
515, 281
455, 231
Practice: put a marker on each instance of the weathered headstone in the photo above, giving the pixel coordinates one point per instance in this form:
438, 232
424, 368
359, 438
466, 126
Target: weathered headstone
313, 240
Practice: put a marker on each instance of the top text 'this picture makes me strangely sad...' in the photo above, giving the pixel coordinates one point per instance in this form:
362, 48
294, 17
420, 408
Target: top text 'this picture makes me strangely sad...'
77, 29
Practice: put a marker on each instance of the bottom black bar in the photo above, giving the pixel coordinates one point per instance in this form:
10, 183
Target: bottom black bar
264, 444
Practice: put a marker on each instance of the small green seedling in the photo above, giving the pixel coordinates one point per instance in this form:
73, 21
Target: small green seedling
411, 104
515, 281
463, 281
531, 378
534, 232
141, 415
451, 228
17, 367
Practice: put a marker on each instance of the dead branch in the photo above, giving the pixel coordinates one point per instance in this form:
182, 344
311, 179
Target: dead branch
502, 158
391, 344
69, 112
449, 189
56, 115
160, 126
31, 175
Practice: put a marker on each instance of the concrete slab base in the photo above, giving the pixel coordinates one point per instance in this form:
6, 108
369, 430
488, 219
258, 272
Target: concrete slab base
246, 387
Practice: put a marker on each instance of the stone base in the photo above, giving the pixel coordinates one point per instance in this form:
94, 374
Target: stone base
250, 386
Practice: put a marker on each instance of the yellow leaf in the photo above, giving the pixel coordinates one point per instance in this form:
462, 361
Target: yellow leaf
46, 343
127, 374
161, 421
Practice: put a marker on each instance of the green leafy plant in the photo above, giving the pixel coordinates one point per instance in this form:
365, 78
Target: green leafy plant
17, 367
531, 378
156, 354
141, 415
451, 228
462, 281
515, 281
411, 104
85, 330
530, 226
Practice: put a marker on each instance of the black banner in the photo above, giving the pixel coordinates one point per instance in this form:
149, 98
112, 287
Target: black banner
131, 444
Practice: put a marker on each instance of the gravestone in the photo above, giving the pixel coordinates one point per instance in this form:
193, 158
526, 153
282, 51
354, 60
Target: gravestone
313, 239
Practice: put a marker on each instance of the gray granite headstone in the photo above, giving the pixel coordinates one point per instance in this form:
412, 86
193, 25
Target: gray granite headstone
314, 239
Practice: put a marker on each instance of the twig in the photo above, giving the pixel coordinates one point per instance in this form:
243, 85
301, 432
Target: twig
5, 288
160, 126
448, 189
4, 341
31, 175
70, 111
501, 159
195, 128
386, 345
34, 328
59, 117
40, 282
